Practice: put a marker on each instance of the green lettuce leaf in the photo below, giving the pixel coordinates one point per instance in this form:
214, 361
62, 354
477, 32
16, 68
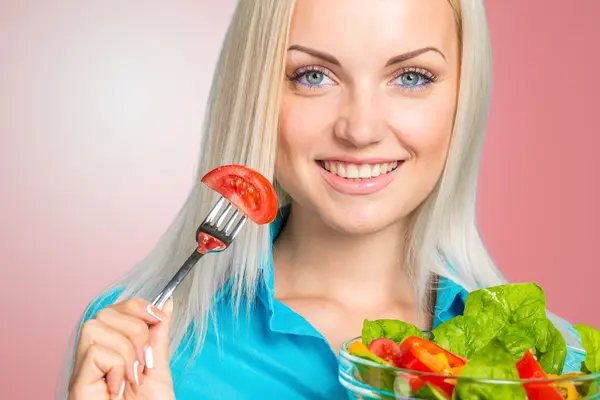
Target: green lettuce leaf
522, 304
389, 329
492, 362
514, 314
590, 340
553, 359
517, 340
459, 335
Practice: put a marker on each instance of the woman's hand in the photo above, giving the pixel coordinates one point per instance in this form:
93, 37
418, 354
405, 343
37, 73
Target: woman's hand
123, 353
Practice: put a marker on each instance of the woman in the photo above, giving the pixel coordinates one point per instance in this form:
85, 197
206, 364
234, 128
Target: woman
314, 94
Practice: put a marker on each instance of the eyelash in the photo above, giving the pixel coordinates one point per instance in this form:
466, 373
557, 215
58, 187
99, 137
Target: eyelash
424, 74
300, 72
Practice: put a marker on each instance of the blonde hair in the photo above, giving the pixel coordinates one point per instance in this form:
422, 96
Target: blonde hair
241, 127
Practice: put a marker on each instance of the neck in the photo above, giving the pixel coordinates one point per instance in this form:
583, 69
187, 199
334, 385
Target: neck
314, 260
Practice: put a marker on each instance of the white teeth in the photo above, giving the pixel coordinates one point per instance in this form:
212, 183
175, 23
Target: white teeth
364, 171
333, 168
375, 170
352, 171
358, 171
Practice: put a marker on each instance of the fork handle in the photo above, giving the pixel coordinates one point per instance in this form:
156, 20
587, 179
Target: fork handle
163, 296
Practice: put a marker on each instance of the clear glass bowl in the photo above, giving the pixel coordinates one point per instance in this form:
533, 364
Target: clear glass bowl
364, 379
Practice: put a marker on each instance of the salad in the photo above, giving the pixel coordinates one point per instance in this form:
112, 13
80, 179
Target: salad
503, 335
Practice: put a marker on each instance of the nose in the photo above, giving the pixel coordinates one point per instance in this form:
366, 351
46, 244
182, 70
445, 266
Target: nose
359, 123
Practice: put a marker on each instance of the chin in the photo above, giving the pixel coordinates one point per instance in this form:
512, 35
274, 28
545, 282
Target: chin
363, 221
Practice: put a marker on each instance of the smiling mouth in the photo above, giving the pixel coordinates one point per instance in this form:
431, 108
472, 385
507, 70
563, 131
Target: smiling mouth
359, 171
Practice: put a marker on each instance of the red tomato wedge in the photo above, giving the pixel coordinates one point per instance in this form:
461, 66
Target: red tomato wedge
208, 243
529, 368
385, 349
422, 355
246, 189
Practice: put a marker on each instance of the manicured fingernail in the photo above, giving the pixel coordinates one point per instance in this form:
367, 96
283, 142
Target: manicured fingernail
121, 391
149, 357
153, 311
136, 371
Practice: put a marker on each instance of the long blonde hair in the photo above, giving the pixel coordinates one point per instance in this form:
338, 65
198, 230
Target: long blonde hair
241, 127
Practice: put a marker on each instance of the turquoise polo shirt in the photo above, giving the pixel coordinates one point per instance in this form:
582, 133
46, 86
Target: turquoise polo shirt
273, 353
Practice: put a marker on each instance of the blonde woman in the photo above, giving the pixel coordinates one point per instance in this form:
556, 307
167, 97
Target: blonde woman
369, 116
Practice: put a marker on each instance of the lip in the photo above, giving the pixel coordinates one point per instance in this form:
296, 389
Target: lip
358, 186
354, 160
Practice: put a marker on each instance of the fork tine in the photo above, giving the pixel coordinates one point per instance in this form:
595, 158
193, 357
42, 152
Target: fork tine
214, 211
221, 219
229, 225
238, 227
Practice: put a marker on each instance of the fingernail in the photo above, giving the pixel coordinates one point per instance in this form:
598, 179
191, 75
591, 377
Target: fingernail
136, 370
153, 311
121, 391
149, 357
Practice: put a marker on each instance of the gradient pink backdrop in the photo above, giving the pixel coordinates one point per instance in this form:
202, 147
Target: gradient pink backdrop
101, 105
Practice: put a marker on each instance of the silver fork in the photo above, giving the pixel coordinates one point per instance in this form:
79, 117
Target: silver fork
217, 224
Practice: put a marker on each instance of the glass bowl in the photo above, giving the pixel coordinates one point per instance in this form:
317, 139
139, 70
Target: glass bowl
364, 379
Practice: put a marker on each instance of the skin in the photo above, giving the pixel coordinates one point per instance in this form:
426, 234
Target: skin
336, 245
113, 345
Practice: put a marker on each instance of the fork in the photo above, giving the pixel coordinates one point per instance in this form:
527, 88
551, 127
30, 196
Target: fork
217, 224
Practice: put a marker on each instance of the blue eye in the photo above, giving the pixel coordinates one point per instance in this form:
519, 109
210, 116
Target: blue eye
313, 78
413, 80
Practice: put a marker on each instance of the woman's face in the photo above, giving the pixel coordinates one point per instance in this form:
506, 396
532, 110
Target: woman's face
367, 108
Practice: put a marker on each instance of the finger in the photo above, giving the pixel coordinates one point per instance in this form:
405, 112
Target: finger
159, 340
135, 329
96, 332
101, 367
141, 309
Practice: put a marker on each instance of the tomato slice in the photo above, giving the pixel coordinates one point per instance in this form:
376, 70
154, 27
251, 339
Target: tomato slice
385, 349
208, 243
424, 356
246, 189
529, 368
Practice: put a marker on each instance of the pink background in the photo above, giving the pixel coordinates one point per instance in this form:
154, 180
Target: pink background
101, 105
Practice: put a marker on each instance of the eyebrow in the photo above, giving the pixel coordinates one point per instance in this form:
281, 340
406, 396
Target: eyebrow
394, 60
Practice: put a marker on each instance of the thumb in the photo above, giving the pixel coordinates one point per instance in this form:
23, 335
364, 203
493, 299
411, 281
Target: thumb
159, 338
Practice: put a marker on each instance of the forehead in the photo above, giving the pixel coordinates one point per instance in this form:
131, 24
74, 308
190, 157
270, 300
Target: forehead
373, 26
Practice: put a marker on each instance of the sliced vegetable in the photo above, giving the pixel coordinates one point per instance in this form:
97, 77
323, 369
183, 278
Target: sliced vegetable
423, 355
246, 189
504, 335
385, 349
418, 354
360, 350
567, 389
529, 368
208, 243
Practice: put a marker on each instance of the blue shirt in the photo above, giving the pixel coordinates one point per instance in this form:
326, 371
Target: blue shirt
274, 353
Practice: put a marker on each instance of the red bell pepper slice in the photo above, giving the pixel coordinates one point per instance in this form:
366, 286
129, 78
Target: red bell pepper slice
529, 368
422, 355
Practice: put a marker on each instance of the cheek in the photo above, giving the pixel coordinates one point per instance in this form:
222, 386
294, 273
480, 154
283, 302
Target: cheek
425, 131
303, 127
